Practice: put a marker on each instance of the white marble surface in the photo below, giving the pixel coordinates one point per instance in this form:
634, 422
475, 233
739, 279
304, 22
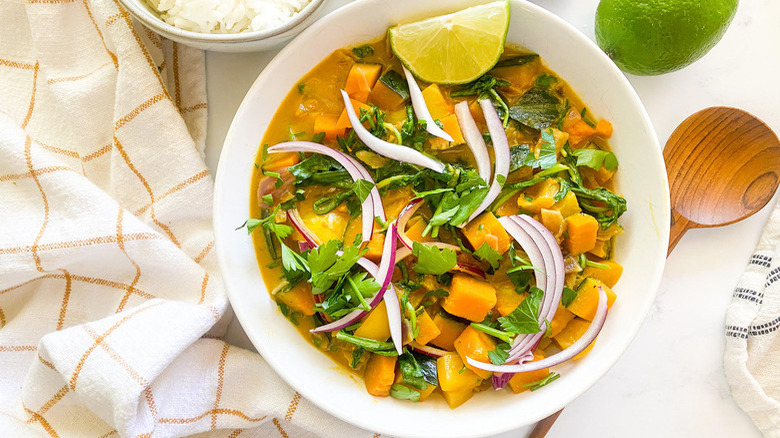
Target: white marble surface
670, 381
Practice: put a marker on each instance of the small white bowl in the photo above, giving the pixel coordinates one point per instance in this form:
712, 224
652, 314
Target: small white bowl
641, 250
234, 42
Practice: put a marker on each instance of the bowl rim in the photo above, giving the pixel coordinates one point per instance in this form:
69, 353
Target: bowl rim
662, 227
142, 11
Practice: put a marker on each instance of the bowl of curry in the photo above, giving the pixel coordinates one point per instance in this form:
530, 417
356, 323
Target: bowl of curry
454, 288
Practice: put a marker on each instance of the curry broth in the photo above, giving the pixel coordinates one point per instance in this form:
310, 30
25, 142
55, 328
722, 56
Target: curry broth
318, 93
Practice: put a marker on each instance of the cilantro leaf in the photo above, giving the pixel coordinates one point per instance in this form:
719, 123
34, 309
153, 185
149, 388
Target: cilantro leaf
595, 158
250, 224
432, 260
488, 254
500, 354
525, 318
545, 81
568, 296
362, 188
548, 154
292, 262
542, 382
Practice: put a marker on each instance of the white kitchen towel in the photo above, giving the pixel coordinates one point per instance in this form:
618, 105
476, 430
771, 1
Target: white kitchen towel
111, 303
752, 357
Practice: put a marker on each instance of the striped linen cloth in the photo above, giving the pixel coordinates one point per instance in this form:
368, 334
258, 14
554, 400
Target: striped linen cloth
752, 356
111, 303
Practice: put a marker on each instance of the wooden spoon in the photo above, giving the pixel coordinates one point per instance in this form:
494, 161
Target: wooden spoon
723, 166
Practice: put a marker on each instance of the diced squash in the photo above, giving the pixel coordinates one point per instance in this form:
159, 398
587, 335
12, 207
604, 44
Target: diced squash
587, 300
573, 331
451, 127
601, 249
361, 79
603, 175
519, 381
609, 276
553, 221
559, 321
299, 299
343, 121
449, 330
415, 228
327, 226
507, 299
436, 102
326, 124
539, 196
485, 228
604, 128
509, 207
469, 297
521, 77
380, 374
428, 330
476, 112
457, 398
375, 246
544, 343
579, 131
453, 375
568, 205
581, 231
385, 97
476, 345
279, 161
375, 326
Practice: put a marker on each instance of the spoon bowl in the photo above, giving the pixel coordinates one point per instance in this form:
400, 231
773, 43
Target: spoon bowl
723, 166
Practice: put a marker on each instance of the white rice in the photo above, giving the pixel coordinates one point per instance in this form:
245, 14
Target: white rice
227, 16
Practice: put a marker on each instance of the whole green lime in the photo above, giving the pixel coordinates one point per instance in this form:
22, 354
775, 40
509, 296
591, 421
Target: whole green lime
651, 37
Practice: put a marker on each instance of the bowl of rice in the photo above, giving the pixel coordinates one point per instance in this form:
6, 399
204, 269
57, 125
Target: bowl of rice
226, 25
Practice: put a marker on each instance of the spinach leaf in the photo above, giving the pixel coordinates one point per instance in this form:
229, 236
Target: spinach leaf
517, 156
548, 153
402, 392
568, 296
396, 82
363, 51
376, 347
516, 60
411, 372
605, 215
537, 108
594, 158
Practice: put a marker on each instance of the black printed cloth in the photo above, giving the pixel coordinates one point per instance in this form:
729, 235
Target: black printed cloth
752, 357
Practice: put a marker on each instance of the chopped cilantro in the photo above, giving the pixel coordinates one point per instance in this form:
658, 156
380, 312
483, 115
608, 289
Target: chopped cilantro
432, 260
488, 254
525, 318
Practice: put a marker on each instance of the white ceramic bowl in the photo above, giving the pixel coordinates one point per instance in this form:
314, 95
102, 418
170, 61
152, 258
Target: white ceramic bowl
641, 250
236, 42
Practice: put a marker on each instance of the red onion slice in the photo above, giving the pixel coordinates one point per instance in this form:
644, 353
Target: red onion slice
300, 226
379, 210
387, 149
501, 155
404, 217
386, 267
355, 170
474, 139
421, 109
576, 348
428, 350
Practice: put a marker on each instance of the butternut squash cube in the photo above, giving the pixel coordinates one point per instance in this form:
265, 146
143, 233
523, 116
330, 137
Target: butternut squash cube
568, 205
481, 229
385, 97
451, 127
343, 121
476, 345
457, 398
299, 299
469, 298
428, 330
559, 321
539, 196
519, 381
609, 276
581, 230
453, 374
449, 330
375, 326
361, 79
437, 104
587, 300
380, 374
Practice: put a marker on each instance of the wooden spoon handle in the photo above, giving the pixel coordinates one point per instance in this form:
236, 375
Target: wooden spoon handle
544, 425
679, 226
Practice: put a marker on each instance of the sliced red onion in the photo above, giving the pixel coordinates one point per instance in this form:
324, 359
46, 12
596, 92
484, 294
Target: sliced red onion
355, 170
387, 149
300, 226
379, 210
468, 269
428, 350
304, 246
474, 139
500, 152
421, 109
387, 266
576, 348
403, 218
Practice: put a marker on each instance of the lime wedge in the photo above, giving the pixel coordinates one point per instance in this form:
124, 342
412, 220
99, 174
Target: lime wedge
456, 48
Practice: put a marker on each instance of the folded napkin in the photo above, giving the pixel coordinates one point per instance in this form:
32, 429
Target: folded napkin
111, 303
752, 357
